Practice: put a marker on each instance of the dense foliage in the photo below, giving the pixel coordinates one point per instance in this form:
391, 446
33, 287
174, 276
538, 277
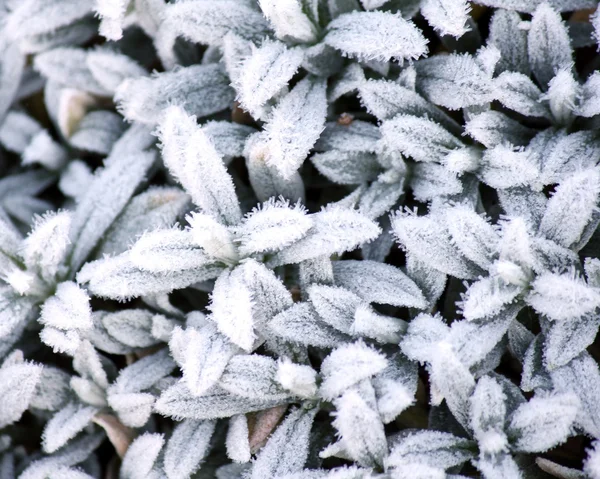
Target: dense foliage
299, 239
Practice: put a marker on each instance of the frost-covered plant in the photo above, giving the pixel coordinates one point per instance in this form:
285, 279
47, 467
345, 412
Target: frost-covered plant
299, 239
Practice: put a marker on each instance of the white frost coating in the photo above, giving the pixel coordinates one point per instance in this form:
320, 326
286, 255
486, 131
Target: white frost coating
68, 309
563, 297
348, 365
379, 36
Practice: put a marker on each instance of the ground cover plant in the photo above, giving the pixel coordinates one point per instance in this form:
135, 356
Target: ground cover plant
299, 239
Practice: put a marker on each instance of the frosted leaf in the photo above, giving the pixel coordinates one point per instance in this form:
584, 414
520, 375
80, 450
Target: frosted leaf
336, 306
187, 447
273, 226
378, 283
43, 150
357, 136
526, 204
453, 81
295, 125
155, 208
567, 339
381, 36
591, 464
119, 278
213, 237
132, 327
543, 422
190, 155
499, 466
534, 374
288, 447
335, 230
208, 22
141, 455
228, 138
504, 167
519, 339
52, 391
97, 132
360, 429
447, 17
550, 255
168, 250
46, 246
269, 294
473, 235
69, 308
348, 81
88, 391
252, 376
322, 60
420, 138
35, 17
17, 131
143, 374
453, 381
428, 241
370, 324
381, 195
395, 388
59, 340
510, 40
88, 363
346, 168
563, 93
67, 66
431, 180
65, 425
432, 448
569, 154
488, 415
491, 128
202, 355
178, 402
264, 74
571, 207
430, 281
582, 377
348, 365
111, 68
424, 332
299, 379
528, 6
75, 179
74, 453
18, 387
13, 64
231, 306
105, 198
112, 17
289, 20
265, 179
548, 44
237, 441
589, 104
201, 90
592, 271
301, 324
133, 409
517, 92
474, 341
487, 297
